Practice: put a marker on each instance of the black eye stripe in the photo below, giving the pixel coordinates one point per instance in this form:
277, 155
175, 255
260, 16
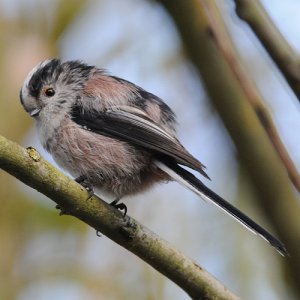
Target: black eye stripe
44, 75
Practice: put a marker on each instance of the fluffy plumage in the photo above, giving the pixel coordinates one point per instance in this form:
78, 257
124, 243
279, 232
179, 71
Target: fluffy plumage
119, 136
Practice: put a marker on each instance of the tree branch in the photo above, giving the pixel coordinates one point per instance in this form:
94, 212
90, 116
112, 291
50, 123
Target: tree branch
274, 193
226, 47
279, 49
28, 166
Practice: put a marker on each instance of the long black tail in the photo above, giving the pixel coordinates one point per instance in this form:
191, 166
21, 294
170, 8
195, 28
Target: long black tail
194, 184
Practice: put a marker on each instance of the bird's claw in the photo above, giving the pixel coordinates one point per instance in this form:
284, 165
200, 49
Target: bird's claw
84, 182
119, 206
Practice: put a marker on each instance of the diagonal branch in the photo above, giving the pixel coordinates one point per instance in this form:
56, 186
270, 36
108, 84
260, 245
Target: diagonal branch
276, 45
274, 193
230, 54
29, 167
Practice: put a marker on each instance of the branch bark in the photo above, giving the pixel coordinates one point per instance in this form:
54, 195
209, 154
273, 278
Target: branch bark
267, 174
226, 47
28, 166
276, 45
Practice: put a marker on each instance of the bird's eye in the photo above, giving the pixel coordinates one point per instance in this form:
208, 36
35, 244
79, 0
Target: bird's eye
49, 92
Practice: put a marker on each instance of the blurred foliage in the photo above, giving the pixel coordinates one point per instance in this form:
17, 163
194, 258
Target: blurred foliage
44, 254
22, 220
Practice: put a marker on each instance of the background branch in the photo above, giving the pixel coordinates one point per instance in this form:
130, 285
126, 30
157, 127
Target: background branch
267, 174
278, 48
226, 47
29, 167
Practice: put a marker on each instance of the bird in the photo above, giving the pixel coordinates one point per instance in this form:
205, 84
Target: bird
113, 135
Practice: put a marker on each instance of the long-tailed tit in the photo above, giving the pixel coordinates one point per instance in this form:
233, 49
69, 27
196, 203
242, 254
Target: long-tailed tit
113, 134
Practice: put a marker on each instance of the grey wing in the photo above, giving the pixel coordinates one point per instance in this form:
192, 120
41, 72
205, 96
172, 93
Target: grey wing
138, 130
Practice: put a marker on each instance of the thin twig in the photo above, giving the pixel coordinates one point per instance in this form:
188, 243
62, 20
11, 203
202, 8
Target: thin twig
223, 41
273, 189
276, 45
28, 166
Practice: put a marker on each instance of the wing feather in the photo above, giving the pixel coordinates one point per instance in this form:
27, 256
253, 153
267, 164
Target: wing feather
135, 128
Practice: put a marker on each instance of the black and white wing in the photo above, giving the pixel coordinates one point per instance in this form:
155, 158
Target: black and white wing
138, 130
133, 127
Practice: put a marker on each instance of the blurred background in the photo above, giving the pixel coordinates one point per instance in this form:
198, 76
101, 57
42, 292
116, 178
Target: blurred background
45, 256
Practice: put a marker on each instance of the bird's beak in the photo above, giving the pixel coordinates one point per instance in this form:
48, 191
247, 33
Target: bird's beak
35, 112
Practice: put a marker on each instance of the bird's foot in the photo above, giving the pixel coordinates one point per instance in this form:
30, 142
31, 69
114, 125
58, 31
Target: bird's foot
119, 206
84, 182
